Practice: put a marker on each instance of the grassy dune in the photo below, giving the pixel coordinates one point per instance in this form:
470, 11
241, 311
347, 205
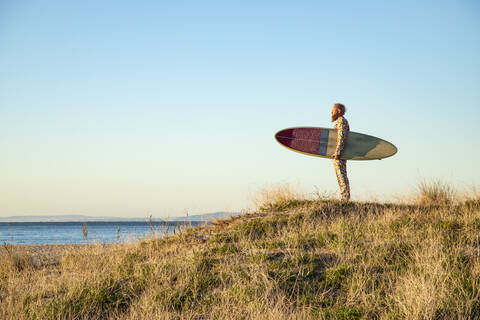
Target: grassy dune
290, 259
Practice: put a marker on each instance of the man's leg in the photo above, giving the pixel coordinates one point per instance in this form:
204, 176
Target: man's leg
341, 172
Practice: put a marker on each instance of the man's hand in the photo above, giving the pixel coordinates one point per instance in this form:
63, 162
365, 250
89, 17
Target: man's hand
336, 156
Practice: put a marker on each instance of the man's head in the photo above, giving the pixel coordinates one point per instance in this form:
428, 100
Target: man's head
338, 110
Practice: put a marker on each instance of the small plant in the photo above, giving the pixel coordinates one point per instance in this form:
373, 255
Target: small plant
322, 195
150, 224
85, 232
435, 192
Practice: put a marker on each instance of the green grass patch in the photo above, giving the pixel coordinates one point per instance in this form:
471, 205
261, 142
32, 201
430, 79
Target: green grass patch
336, 277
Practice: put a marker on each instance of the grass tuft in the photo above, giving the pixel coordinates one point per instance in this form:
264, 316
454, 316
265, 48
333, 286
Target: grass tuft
277, 198
435, 192
14, 260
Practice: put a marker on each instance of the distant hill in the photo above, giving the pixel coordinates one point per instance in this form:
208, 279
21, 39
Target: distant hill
83, 218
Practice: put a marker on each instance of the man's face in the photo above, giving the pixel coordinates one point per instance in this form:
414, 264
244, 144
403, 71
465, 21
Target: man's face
335, 113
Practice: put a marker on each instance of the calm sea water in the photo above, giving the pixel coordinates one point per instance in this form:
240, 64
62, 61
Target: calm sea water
97, 231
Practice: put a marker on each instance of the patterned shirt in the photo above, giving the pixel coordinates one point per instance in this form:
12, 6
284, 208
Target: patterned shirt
342, 128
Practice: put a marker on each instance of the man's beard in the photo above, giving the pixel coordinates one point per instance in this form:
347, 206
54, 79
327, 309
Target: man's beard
334, 117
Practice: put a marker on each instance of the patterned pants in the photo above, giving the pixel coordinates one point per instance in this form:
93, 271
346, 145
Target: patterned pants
341, 172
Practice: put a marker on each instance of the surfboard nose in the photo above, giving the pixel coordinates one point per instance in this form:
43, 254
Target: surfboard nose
285, 137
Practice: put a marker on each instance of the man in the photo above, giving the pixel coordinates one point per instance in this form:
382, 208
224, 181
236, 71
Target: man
340, 166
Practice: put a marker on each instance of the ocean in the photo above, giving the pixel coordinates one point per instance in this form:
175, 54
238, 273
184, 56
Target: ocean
96, 231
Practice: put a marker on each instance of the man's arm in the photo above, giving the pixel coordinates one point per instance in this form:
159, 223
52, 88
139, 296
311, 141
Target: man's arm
341, 136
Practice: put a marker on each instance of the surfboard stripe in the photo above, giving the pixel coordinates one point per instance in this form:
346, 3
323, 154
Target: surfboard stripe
322, 150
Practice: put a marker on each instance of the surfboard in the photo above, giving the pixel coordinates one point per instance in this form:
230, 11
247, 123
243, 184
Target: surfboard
321, 142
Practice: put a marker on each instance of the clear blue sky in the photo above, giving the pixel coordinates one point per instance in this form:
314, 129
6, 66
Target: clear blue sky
130, 108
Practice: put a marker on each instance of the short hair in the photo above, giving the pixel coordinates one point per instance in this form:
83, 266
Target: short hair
341, 107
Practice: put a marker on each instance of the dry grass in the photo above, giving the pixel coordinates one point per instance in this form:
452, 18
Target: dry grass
275, 196
14, 260
435, 192
470, 196
297, 259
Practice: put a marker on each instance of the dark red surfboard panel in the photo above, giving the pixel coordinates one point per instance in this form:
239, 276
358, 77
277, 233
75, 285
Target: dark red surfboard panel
301, 139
